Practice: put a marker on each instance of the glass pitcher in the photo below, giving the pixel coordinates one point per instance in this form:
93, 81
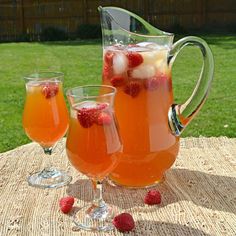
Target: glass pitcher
137, 60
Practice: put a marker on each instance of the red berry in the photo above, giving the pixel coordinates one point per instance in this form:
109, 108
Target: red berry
66, 204
66, 200
135, 59
50, 90
86, 117
117, 81
107, 72
151, 83
104, 119
152, 197
124, 222
132, 88
66, 208
109, 58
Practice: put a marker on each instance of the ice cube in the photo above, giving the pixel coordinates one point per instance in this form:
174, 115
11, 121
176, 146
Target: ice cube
149, 57
143, 71
120, 63
161, 54
160, 63
162, 67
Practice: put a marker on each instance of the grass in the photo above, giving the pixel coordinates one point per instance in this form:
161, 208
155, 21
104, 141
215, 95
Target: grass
81, 62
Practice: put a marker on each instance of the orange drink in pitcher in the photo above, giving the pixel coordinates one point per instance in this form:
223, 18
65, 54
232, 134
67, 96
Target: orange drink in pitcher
137, 60
144, 96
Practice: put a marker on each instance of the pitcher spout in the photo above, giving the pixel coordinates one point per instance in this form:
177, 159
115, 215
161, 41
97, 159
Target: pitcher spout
124, 27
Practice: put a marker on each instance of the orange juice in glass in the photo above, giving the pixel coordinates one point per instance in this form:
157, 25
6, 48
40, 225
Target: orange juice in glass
45, 121
93, 147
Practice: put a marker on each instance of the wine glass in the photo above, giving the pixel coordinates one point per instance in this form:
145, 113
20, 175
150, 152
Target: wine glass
45, 121
93, 147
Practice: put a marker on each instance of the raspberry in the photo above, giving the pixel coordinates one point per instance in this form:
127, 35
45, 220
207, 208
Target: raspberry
107, 72
109, 58
66, 200
152, 83
104, 119
135, 59
133, 88
85, 117
124, 222
66, 204
88, 116
50, 90
66, 208
152, 197
117, 81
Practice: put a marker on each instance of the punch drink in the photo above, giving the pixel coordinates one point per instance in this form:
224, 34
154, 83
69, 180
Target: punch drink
45, 117
93, 144
142, 78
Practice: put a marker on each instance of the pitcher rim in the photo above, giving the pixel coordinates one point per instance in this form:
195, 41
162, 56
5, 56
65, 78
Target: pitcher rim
166, 34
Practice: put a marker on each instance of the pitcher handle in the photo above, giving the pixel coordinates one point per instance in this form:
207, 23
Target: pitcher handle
180, 115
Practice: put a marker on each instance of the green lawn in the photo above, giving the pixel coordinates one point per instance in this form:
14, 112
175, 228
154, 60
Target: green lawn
81, 62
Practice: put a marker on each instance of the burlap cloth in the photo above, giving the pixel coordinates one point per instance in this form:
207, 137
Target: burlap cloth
198, 195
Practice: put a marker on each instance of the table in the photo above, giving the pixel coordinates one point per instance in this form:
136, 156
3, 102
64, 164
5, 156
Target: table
198, 195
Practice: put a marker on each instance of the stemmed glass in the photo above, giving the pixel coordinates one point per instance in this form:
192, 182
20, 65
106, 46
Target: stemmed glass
45, 121
93, 147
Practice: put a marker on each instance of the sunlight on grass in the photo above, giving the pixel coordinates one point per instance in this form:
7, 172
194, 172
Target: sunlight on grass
82, 61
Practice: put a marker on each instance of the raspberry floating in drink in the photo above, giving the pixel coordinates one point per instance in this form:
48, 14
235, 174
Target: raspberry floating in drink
135, 59
91, 112
109, 58
104, 119
117, 81
50, 90
132, 88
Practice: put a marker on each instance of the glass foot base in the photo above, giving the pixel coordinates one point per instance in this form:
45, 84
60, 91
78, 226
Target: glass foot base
93, 218
49, 178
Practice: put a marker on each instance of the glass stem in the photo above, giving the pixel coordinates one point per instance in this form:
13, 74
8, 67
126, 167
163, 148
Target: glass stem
98, 200
48, 152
